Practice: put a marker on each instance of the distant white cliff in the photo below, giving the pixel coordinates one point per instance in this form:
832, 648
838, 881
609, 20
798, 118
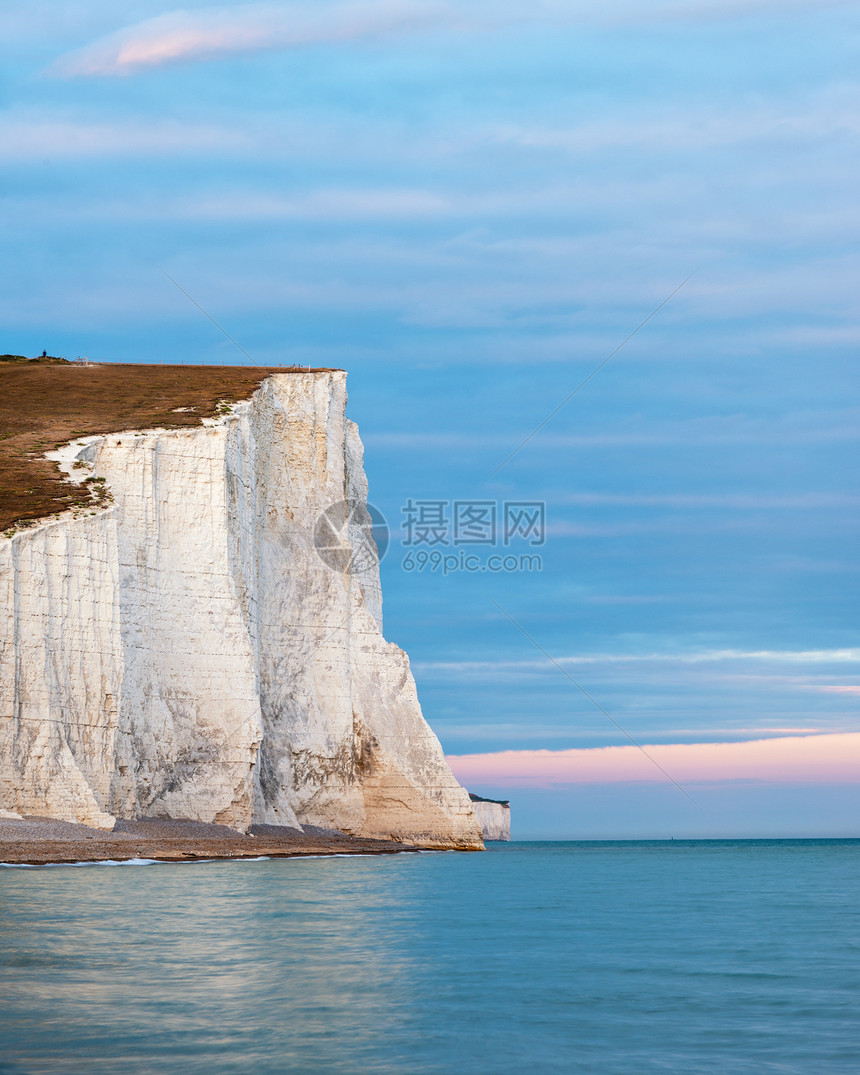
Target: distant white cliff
494, 817
185, 652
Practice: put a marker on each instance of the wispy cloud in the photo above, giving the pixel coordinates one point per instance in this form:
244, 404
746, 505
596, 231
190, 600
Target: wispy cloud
342, 204
685, 131
715, 656
209, 33
794, 428
761, 501
726, 9
33, 137
815, 759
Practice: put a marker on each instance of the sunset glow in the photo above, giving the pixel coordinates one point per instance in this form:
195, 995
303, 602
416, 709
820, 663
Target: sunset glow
809, 759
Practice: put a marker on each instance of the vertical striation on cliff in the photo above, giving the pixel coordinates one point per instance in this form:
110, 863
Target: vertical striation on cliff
184, 651
494, 817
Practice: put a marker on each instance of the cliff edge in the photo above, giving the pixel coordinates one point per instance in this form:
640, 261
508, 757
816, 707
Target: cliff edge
180, 650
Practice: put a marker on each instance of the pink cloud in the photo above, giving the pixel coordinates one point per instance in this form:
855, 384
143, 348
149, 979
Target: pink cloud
811, 759
187, 36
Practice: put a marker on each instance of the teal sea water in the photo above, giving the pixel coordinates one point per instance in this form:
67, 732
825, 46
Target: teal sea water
558, 957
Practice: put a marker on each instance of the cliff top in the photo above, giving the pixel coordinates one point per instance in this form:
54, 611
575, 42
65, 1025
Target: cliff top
496, 802
45, 403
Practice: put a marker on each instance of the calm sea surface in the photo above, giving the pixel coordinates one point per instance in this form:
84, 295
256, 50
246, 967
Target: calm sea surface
558, 957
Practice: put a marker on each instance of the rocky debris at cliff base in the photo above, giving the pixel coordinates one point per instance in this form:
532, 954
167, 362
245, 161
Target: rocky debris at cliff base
40, 841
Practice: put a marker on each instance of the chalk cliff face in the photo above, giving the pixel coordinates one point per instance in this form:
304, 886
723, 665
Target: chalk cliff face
185, 652
494, 817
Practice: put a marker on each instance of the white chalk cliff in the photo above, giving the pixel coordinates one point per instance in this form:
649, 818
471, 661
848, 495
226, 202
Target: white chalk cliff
185, 652
494, 817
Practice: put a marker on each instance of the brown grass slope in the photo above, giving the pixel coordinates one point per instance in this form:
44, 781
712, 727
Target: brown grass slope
44, 404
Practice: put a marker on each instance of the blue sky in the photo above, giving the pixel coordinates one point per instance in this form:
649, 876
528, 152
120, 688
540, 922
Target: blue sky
469, 207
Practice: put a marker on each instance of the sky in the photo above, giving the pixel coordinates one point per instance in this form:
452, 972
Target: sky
630, 229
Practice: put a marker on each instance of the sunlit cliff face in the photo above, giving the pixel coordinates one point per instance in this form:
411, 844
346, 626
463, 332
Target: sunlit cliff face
185, 651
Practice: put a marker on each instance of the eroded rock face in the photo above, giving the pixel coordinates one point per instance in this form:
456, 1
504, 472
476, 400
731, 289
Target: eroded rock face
185, 652
494, 817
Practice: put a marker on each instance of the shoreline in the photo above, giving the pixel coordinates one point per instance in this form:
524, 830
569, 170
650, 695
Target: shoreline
40, 841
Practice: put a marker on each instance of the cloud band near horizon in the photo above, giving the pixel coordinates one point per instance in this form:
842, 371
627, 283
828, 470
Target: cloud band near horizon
809, 759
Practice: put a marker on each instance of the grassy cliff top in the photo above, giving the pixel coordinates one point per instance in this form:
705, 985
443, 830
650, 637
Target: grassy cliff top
47, 402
